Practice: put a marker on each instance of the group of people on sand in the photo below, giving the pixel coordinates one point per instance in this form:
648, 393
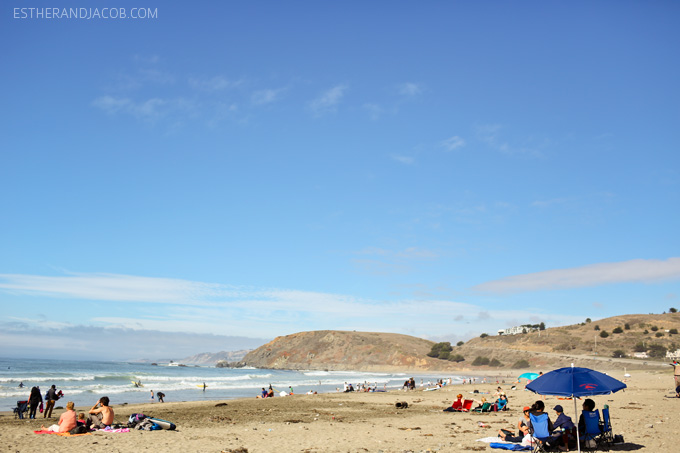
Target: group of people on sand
563, 429
501, 404
100, 417
35, 401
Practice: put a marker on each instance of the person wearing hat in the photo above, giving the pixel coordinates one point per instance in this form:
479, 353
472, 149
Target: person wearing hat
522, 425
564, 424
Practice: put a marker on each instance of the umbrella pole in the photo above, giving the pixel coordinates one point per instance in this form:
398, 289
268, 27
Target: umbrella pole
578, 435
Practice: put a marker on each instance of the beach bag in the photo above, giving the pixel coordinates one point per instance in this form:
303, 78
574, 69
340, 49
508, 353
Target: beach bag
80, 429
134, 419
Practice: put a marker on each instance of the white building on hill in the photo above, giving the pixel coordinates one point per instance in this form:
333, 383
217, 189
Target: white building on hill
516, 330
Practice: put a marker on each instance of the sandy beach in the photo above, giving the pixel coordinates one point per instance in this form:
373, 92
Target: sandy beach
355, 422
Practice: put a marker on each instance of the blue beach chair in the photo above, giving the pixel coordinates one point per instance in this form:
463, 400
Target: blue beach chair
539, 431
21, 409
593, 438
607, 431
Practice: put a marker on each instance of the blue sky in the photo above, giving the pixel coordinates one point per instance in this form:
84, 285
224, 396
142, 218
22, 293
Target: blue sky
222, 173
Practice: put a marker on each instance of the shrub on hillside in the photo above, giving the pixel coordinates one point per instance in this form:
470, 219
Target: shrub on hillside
654, 328
659, 334
673, 331
484, 335
639, 347
460, 343
456, 358
495, 362
604, 334
588, 320
617, 354
646, 332
626, 326
656, 350
480, 361
673, 310
597, 327
617, 330
521, 364
440, 349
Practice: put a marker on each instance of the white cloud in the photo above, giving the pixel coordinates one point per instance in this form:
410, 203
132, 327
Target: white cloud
262, 97
217, 83
404, 159
328, 100
410, 89
633, 271
452, 143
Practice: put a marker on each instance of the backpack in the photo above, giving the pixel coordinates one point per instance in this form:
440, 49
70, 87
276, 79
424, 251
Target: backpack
134, 419
80, 429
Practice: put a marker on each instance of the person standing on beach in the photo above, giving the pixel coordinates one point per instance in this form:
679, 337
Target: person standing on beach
34, 401
204, 386
51, 397
160, 396
152, 396
101, 415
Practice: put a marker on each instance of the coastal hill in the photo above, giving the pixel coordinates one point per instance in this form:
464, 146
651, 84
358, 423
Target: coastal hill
605, 343
613, 340
340, 350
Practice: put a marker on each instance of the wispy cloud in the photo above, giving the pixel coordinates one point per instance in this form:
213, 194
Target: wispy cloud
494, 136
452, 143
216, 83
150, 109
633, 271
328, 100
404, 159
267, 96
409, 89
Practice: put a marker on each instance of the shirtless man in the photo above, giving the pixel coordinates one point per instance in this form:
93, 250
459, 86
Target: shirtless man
101, 415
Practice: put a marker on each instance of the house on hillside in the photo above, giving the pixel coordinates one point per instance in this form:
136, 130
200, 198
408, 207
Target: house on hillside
640, 355
673, 355
517, 330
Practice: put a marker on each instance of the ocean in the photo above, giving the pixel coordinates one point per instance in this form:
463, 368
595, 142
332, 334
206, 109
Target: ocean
85, 382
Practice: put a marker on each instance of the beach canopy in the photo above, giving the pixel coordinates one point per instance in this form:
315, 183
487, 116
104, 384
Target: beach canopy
575, 382
529, 376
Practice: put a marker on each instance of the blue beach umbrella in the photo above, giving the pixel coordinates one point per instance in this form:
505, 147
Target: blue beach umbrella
529, 376
575, 382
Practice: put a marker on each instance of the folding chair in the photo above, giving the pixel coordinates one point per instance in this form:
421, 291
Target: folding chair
21, 409
467, 405
607, 431
593, 438
539, 431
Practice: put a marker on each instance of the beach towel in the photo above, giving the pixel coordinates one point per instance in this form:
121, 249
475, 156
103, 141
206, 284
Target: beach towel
66, 434
506, 446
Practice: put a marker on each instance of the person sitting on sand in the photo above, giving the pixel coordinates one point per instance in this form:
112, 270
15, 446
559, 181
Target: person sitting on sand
81, 419
502, 402
263, 394
160, 396
565, 425
270, 392
67, 420
588, 405
101, 414
522, 427
458, 404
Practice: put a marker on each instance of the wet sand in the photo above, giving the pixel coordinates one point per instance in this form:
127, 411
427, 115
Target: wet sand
644, 414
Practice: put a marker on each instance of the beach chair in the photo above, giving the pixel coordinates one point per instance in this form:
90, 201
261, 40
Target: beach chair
593, 439
486, 407
539, 431
467, 405
21, 409
607, 431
